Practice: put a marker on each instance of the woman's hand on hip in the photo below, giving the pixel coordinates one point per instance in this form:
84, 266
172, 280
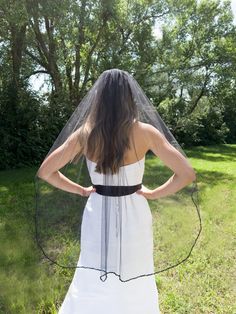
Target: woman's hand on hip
86, 191
149, 194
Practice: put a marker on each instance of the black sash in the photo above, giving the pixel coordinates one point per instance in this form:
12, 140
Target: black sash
116, 190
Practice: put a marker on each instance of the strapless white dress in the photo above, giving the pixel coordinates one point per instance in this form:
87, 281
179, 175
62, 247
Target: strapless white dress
87, 294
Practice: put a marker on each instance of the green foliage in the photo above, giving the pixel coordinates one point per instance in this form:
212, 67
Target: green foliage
19, 110
197, 54
28, 126
188, 73
205, 126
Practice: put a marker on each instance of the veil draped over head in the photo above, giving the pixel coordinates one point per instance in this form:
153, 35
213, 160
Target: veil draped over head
176, 221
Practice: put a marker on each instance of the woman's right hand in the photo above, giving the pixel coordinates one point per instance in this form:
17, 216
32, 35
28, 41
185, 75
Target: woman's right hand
149, 194
86, 191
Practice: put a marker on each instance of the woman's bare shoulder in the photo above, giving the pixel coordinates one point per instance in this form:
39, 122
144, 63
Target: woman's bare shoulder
147, 128
150, 135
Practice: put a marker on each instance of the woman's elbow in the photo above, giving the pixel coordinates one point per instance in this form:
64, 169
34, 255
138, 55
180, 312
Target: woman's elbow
41, 173
188, 176
191, 175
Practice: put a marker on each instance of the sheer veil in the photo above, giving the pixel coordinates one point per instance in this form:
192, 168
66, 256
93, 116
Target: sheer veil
176, 220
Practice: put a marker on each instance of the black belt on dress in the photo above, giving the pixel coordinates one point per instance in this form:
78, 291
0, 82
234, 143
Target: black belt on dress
116, 190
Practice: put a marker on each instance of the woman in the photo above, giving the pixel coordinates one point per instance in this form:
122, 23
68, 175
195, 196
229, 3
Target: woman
115, 142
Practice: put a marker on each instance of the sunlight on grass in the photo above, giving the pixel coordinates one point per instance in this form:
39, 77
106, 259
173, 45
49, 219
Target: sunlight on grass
204, 284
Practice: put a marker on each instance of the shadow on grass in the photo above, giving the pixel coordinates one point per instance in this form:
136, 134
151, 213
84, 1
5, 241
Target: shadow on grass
227, 152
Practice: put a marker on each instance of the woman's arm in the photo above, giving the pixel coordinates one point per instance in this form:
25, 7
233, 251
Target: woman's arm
183, 175
49, 170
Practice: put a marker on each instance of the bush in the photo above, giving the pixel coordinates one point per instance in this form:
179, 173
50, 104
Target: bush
205, 126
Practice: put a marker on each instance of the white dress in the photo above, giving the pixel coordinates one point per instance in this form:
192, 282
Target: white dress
87, 293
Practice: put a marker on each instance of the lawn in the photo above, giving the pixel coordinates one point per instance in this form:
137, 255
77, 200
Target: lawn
206, 283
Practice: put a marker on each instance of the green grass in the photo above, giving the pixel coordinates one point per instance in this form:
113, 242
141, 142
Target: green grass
206, 283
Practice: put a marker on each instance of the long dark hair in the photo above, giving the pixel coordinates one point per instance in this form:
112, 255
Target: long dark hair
106, 131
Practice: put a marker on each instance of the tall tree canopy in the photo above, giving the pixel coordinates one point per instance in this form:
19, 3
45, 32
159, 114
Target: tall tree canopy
188, 72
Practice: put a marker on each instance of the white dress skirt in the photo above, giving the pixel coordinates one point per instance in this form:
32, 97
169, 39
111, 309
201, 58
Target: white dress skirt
87, 293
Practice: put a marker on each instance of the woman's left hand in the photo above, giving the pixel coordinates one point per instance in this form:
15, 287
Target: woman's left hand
149, 194
86, 191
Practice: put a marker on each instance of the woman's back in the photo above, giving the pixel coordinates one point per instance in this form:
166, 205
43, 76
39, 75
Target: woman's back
138, 144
